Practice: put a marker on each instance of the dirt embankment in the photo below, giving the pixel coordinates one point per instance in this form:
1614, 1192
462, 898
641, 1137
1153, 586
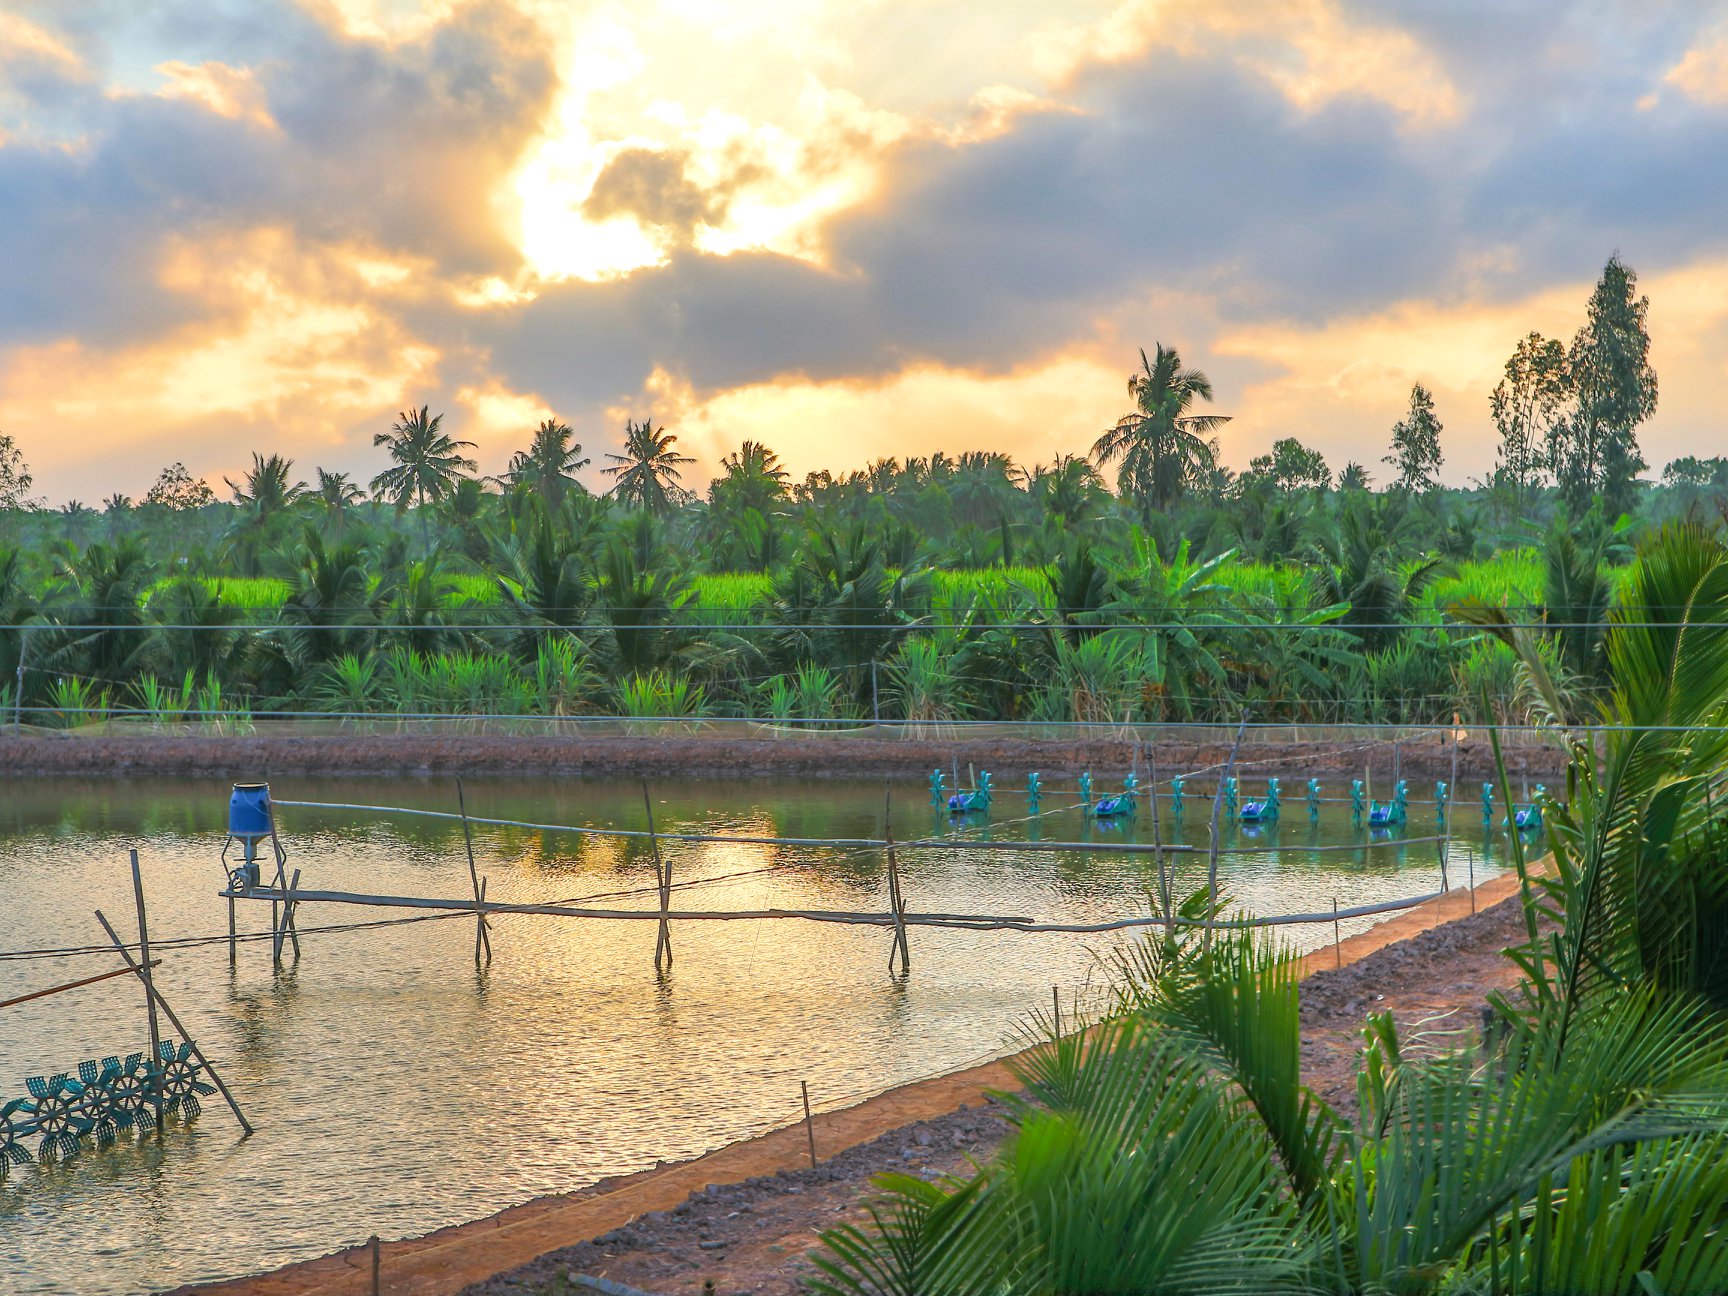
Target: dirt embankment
1008, 759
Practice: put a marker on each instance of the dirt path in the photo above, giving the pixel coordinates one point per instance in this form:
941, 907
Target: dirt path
744, 1217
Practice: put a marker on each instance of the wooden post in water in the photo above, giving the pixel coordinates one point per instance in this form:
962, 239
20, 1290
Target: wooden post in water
901, 949
290, 924
1337, 940
156, 998
1056, 1009
144, 965
377, 1264
662, 875
809, 1125
482, 939
233, 946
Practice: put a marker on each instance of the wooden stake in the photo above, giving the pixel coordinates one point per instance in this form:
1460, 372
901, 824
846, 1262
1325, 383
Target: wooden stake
481, 939
377, 1263
1470, 856
1337, 940
663, 875
149, 991
233, 946
484, 931
1056, 1009
1158, 841
143, 971
809, 1125
900, 948
290, 925
1217, 805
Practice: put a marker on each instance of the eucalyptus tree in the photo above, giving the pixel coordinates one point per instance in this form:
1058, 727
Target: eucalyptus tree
15, 478
1416, 444
1613, 386
1162, 447
647, 474
428, 463
550, 463
178, 490
1528, 405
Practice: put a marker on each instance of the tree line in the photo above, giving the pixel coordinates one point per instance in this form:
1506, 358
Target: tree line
932, 589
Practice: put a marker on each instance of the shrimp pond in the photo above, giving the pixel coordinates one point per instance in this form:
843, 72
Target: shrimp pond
396, 1088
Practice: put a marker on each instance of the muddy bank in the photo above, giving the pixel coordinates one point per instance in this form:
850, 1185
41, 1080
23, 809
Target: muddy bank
1008, 759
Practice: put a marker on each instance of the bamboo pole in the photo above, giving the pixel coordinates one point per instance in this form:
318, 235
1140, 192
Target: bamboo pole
961, 922
146, 963
1217, 805
290, 928
1157, 837
74, 985
809, 1124
662, 875
481, 939
156, 997
900, 948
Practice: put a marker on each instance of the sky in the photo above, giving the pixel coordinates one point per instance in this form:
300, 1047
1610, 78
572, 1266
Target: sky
847, 230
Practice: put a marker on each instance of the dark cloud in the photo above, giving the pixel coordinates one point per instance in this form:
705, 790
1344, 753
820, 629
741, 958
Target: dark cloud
651, 186
1186, 175
397, 147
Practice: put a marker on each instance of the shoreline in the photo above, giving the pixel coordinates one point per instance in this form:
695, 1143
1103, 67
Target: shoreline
614, 755
451, 1259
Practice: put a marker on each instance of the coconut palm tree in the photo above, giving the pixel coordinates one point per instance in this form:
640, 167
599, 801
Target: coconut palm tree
1163, 448
428, 462
550, 463
753, 479
265, 488
336, 494
646, 475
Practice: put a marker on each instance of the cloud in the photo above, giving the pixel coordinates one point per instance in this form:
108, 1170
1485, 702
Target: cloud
341, 140
1702, 75
651, 187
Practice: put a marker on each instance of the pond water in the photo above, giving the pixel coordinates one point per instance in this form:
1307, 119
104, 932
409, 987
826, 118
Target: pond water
396, 1089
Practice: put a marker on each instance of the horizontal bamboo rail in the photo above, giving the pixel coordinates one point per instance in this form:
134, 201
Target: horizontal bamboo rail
961, 922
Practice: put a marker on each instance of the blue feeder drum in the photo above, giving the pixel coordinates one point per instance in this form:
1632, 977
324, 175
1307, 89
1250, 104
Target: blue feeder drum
1262, 811
251, 822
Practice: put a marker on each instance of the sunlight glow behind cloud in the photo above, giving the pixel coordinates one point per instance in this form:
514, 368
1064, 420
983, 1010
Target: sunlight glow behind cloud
845, 229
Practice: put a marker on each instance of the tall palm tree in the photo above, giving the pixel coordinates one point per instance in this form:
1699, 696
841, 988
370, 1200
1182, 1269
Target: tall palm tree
428, 462
336, 494
265, 488
550, 463
646, 475
1163, 448
754, 479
